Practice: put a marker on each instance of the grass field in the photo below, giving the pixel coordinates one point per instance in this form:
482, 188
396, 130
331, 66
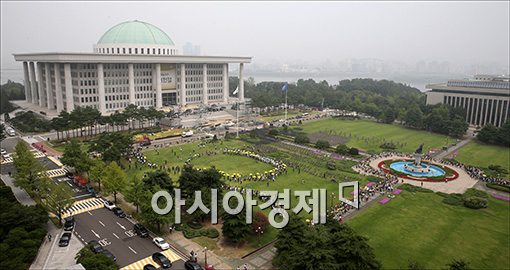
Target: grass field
369, 135
419, 227
482, 155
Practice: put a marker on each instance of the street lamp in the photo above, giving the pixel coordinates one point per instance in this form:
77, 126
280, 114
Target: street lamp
205, 254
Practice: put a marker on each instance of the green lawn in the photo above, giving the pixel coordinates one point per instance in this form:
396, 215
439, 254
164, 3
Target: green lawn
419, 227
369, 135
482, 155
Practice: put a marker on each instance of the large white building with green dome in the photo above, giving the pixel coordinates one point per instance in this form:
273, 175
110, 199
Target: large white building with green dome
134, 62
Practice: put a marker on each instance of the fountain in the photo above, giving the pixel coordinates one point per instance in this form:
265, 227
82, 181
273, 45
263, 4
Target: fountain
416, 168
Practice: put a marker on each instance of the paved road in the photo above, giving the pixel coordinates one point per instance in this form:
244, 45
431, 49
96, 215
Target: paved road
116, 234
453, 148
20, 194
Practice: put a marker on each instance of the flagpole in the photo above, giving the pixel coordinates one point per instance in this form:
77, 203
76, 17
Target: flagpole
237, 119
287, 90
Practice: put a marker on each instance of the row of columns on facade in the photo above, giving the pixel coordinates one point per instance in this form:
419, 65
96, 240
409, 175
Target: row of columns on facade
37, 93
473, 116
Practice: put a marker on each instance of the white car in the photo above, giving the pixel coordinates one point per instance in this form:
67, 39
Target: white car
161, 243
109, 205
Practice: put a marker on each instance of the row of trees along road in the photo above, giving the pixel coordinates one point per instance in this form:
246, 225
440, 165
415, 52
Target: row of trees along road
30, 175
85, 121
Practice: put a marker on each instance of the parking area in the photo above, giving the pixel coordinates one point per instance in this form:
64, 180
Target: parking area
117, 235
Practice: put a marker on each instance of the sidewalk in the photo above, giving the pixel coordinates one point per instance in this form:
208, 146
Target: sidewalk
20, 194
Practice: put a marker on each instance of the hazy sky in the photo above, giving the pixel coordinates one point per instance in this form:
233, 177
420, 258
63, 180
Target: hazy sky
460, 32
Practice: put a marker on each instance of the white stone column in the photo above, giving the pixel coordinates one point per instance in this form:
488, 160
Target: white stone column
40, 86
131, 74
183, 85
159, 95
49, 90
58, 88
26, 83
500, 112
33, 83
100, 88
205, 88
69, 88
225, 83
241, 83
486, 112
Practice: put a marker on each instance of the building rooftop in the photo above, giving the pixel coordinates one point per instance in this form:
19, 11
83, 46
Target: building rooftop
135, 32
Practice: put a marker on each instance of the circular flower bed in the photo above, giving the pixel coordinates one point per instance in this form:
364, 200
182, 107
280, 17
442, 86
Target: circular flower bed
449, 175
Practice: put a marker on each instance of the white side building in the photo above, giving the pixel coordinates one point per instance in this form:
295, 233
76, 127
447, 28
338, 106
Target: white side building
486, 99
133, 63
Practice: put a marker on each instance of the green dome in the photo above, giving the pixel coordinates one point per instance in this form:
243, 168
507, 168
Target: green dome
135, 32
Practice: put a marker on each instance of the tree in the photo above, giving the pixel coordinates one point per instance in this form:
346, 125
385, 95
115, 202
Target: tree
235, 227
301, 139
457, 127
259, 221
115, 180
96, 172
59, 198
136, 192
414, 117
149, 216
75, 157
342, 149
112, 146
93, 261
322, 144
288, 237
29, 172
352, 250
273, 132
354, 151
158, 178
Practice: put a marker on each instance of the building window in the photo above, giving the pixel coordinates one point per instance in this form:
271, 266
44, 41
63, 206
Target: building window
124, 50
118, 50
129, 50
136, 50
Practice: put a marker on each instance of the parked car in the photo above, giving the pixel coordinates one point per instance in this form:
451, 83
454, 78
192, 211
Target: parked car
191, 265
141, 230
69, 224
90, 189
64, 239
109, 205
161, 243
118, 212
109, 254
149, 267
95, 246
161, 260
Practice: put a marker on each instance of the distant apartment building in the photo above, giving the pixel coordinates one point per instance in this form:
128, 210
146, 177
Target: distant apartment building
485, 98
133, 62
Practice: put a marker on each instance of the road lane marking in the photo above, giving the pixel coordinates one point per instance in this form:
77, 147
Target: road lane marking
97, 235
132, 250
102, 223
121, 226
89, 213
115, 235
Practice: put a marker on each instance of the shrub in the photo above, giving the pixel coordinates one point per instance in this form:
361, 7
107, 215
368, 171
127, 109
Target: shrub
211, 233
273, 132
342, 149
498, 187
471, 192
453, 199
388, 145
412, 188
475, 202
301, 139
194, 225
354, 151
322, 144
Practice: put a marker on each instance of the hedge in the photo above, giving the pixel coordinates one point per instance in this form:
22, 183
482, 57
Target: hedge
475, 202
189, 232
412, 188
498, 187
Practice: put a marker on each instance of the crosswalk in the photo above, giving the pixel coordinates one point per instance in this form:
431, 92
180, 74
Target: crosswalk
56, 172
172, 256
83, 206
10, 159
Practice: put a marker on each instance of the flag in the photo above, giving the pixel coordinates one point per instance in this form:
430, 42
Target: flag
237, 90
285, 87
